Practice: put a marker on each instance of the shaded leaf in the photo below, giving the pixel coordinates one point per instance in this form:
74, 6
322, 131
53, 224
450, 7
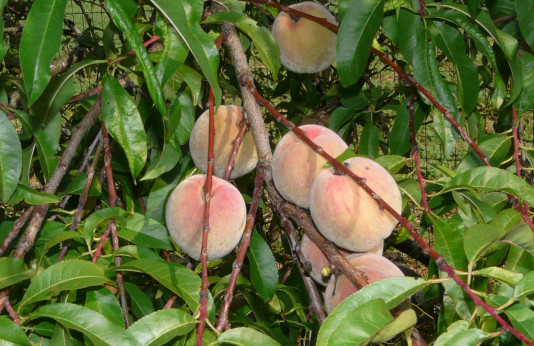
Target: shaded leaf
12, 271
10, 158
459, 333
263, 270
11, 333
525, 286
105, 303
245, 337
32, 197
161, 327
522, 319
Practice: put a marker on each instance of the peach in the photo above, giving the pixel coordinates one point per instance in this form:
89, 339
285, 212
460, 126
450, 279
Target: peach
345, 214
305, 46
226, 119
295, 165
185, 216
374, 266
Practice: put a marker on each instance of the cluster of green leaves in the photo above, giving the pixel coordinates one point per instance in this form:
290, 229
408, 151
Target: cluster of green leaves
457, 52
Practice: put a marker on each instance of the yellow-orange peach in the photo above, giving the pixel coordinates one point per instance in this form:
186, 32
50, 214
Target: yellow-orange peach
226, 119
305, 46
374, 266
185, 216
295, 165
345, 214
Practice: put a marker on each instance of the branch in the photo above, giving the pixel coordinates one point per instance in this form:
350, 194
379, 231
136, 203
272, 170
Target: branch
516, 148
12, 235
236, 144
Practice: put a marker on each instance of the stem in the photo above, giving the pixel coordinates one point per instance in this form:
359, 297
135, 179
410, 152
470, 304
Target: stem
114, 238
515, 132
236, 144
16, 229
206, 230
245, 243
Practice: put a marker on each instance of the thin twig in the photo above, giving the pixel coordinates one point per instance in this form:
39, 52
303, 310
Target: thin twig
415, 150
12, 235
12, 312
515, 132
206, 229
245, 243
235, 148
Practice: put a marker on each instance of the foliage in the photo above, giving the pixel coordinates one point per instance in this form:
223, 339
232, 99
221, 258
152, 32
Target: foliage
148, 68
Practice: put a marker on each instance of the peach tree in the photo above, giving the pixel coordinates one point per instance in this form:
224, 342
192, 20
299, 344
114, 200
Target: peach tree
97, 129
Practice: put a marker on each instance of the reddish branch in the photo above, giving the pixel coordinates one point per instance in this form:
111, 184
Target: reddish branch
245, 243
82, 200
12, 312
114, 237
206, 229
236, 144
415, 150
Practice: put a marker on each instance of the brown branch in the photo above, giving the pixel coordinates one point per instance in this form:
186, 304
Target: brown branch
235, 148
12, 312
206, 229
245, 243
82, 200
415, 150
114, 237
12, 235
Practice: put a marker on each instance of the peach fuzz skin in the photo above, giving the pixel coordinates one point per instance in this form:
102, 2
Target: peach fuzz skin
185, 215
295, 165
374, 266
345, 214
305, 46
226, 119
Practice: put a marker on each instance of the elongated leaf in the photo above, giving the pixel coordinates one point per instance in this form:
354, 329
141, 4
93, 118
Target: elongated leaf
124, 123
261, 37
96, 327
12, 271
506, 276
105, 303
32, 197
96, 218
11, 333
61, 337
525, 286
244, 337
369, 141
185, 17
405, 321
491, 179
400, 141
495, 147
451, 42
526, 99
174, 50
141, 303
145, 232
65, 275
161, 326
459, 333
522, 319
358, 326
177, 278
163, 162
478, 238
448, 238
524, 10
357, 30
3, 46
392, 291
40, 42
124, 23
263, 270
10, 158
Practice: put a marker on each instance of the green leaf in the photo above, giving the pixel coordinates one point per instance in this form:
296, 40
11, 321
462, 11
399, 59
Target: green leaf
448, 238
39, 44
524, 9
491, 179
459, 333
161, 327
12, 271
124, 123
10, 158
11, 333
358, 27
263, 270
164, 161
94, 326
261, 37
405, 321
185, 17
3, 46
393, 163
174, 50
145, 232
451, 42
141, 303
125, 25
392, 291
369, 141
244, 337
358, 326
506, 276
177, 278
99, 216
32, 197
61, 337
105, 303
496, 147
65, 275
526, 99
400, 141
508, 43
478, 238
522, 319
525, 286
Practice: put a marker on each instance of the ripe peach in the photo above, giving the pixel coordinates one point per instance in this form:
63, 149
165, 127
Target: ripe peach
374, 266
185, 216
227, 119
345, 214
305, 46
295, 165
